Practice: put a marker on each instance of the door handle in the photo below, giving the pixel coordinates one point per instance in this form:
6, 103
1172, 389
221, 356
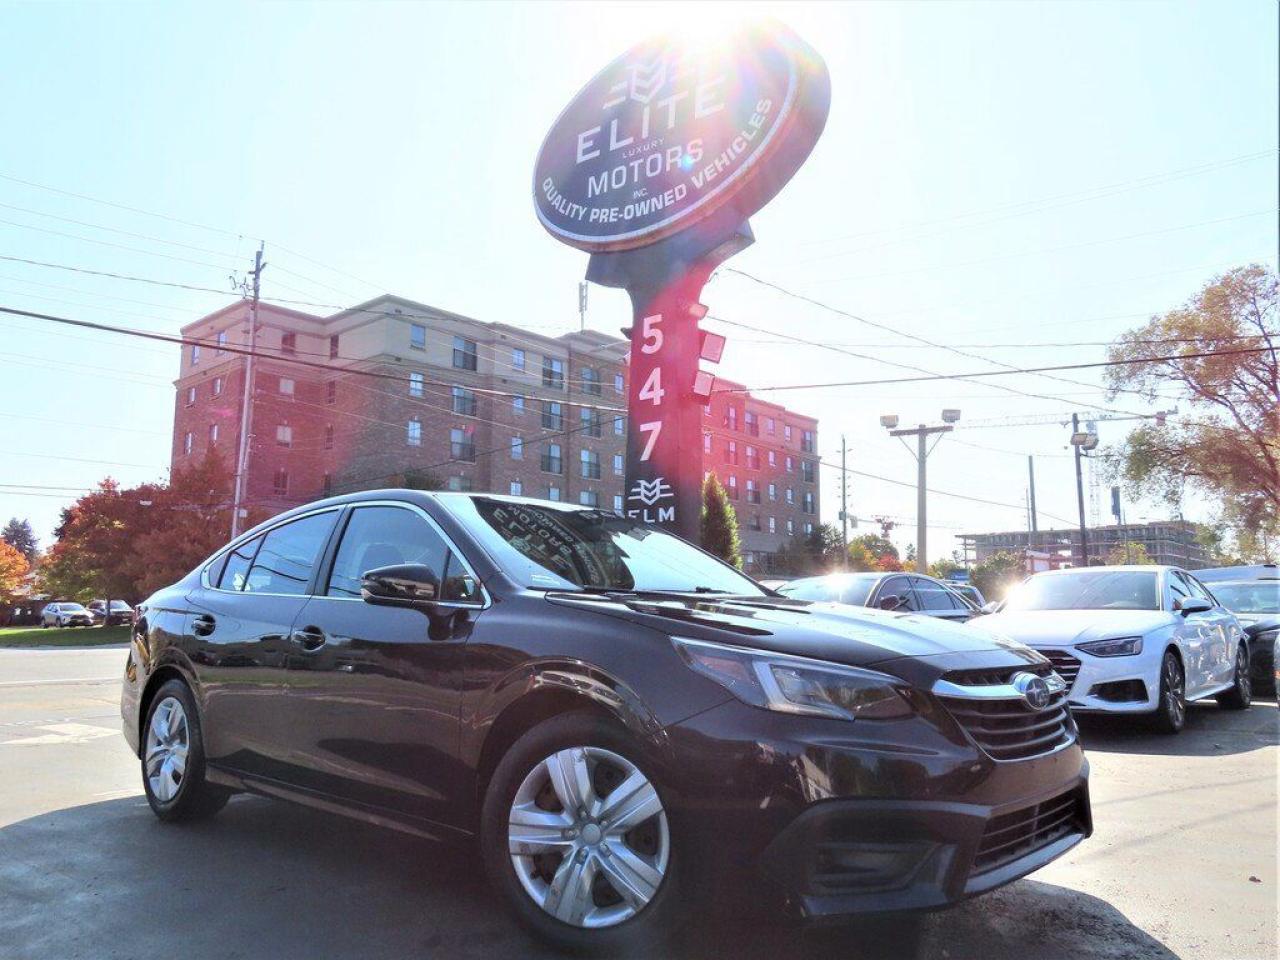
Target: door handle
308, 638
203, 625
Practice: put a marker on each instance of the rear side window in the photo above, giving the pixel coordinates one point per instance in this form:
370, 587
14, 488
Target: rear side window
384, 537
899, 587
934, 597
289, 554
235, 566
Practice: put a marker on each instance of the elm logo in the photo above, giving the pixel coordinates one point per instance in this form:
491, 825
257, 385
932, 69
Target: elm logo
1038, 692
649, 493
641, 84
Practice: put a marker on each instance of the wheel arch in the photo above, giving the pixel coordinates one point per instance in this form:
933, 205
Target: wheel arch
162, 674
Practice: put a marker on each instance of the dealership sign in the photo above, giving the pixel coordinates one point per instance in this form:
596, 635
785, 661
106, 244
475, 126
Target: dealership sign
668, 133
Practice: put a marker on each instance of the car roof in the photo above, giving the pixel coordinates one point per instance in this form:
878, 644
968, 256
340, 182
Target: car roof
1108, 568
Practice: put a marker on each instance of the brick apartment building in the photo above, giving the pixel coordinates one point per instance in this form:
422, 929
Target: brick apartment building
481, 406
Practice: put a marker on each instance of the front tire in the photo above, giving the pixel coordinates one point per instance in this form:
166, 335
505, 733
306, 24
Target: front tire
1171, 714
576, 839
173, 770
1240, 696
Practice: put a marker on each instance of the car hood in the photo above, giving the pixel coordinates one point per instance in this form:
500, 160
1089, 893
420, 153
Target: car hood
838, 632
1056, 628
1255, 623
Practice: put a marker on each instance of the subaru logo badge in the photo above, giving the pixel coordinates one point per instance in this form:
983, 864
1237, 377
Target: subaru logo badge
1034, 690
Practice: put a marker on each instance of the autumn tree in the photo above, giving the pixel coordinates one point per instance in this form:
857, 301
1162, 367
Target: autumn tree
720, 523
13, 570
1228, 447
1128, 552
995, 575
19, 535
873, 552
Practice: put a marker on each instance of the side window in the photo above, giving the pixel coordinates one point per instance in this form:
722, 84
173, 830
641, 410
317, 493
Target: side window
236, 565
289, 554
932, 596
460, 586
383, 537
898, 587
1178, 586
1199, 589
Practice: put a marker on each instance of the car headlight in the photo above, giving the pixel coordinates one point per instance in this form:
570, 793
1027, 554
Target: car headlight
790, 684
1120, 647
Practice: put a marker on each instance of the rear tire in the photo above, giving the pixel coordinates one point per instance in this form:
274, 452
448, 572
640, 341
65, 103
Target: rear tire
1171, 713
173, 768
1240, 696
535, 873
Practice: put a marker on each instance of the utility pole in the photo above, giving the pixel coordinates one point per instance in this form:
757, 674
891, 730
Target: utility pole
1031, 481
582, 305
1084, 533
844, 503
922, 433
246, 401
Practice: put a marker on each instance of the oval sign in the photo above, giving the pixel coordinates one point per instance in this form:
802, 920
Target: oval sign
669, 133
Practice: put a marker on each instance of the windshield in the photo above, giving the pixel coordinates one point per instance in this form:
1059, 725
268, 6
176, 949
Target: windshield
566, 548
1256, 596
1087, 590
845, 589
71, 608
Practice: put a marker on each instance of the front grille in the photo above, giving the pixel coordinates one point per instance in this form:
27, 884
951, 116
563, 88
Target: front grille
1066, 665
994, 677
1009, 730
1013, 835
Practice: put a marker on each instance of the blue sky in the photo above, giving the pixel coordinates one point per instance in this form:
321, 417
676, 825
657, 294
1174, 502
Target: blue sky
1002, 175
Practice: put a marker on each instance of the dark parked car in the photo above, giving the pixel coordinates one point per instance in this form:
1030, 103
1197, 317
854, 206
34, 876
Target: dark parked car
907, 592
1256, 604
121, 612
630, 726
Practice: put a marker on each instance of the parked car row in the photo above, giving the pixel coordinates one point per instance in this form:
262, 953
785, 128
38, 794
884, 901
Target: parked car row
65, 613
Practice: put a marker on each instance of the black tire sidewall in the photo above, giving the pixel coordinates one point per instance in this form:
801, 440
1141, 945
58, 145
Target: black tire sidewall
657, 922
193, 793
1164, 718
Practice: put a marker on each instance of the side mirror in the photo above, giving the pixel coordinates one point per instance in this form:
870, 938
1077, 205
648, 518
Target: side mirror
401, 585
991, 606
892, 602
1189, 605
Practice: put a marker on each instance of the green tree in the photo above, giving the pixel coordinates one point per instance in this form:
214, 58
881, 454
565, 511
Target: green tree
873, 552
1000, 571
1128, 553
416, 478
1228, 448
19, 535
942, 569
719, 531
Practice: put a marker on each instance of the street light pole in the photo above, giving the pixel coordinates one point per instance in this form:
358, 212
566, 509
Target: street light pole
246, 401
1084, 533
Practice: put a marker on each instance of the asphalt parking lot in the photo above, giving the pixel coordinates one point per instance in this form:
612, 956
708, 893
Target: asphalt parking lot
1182, 863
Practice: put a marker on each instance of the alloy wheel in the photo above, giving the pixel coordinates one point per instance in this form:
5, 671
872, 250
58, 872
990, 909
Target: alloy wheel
588, 837
168, 747
1175, 704
1244, 682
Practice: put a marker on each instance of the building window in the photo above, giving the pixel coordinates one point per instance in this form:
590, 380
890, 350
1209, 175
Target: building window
590, 464
459, 483
286, 387
328, 436
618, 465
213, 434
288, 344
413, 433
807, 503
195, 354
551, 460
753, 424
191, 396
791, 496
706, 443
769, 426
416, 382
461, 446
808, 528
753, 491
517, 448
553, 373
517, 488
280, 482
773, 459
786, 433
553, 492
807, 441
590, 420
552, 415
589, 498
331, 391
731, 418
617, 503
619, 425
464, 401
754, 521
773, 525
731, 452
517, 360
791, 465
326, 485
773, 492
221, 340
464, 353
186, 443
791, 527
217, 386
591, 381
517, 405
619, 384
417, 336
284, 435
333, 347
808, 470
753, 458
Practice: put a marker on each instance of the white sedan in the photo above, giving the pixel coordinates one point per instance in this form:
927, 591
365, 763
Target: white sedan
1141, 640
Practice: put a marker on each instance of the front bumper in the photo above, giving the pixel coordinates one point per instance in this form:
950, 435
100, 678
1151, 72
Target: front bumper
1111, 684
847, 818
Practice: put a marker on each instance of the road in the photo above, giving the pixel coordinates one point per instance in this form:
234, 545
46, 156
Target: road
1182, 863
